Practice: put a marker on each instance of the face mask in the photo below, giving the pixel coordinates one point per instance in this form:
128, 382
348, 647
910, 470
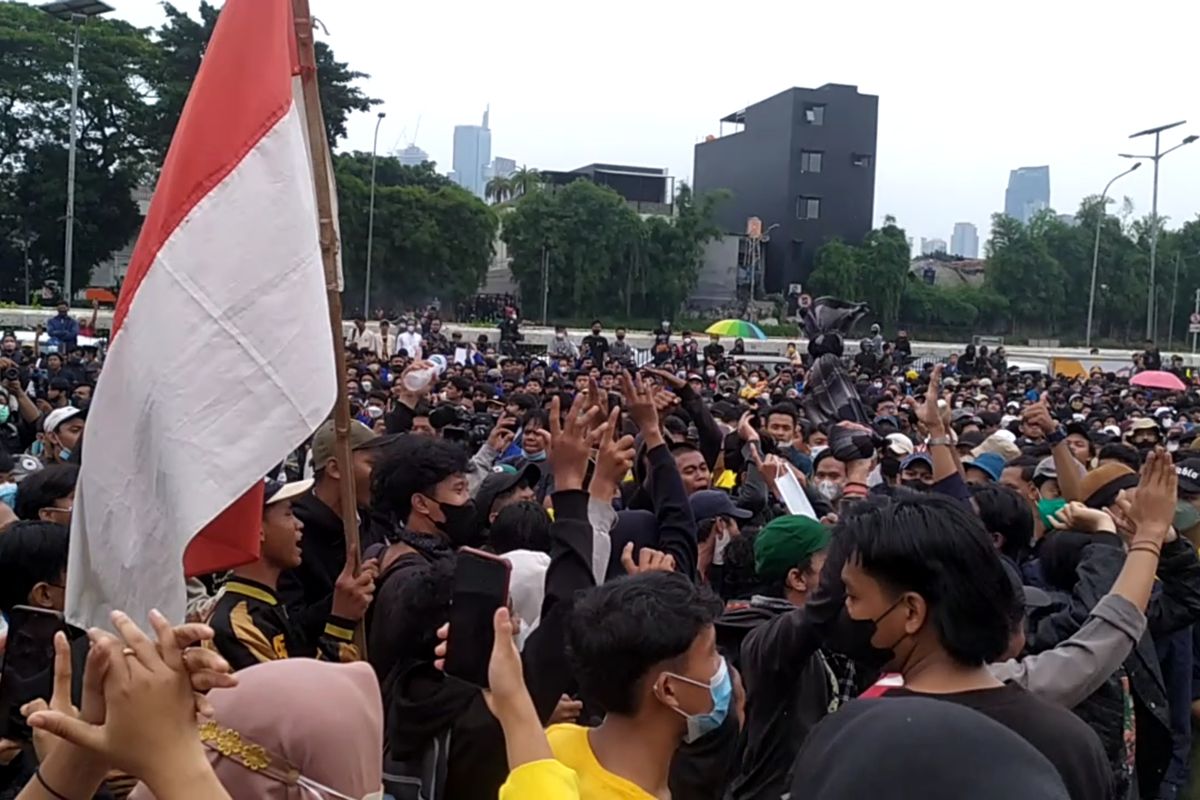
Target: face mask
817, 449
595, 331
536, 456
560, 336
1172, 445
367, 386
829, 490
459, 525
64, 454
374, 412
321, 791
4, 412
1186, 516
720, 688
687, 340
915, 484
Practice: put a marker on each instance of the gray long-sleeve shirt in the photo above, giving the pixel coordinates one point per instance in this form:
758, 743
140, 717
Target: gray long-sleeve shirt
1068, 673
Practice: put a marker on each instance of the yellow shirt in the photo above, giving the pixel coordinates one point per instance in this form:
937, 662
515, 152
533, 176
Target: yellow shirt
544, 780
570, 746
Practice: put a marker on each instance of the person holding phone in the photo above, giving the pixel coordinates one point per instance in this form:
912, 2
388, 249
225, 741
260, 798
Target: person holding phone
253, 626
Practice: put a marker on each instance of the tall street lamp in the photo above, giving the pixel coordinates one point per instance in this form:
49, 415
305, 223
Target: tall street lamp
1096, 251
76, 12
1154, 206
371, 218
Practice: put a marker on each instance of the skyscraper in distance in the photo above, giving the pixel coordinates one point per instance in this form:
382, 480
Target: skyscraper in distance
1028, 192
931, 246
472, 153
412, 156
965, 240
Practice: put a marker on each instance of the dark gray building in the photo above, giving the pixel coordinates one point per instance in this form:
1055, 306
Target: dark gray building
803, 160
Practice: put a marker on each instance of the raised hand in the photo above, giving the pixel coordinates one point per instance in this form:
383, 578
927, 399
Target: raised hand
1152, 507
1038, 416
502, 435
614, 458
639, 402
648, 561
1075, 516
929, 413
571, 442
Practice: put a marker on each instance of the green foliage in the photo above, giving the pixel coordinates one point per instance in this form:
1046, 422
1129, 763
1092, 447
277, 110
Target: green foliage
875, 272
133, 85
601, 256
432, 238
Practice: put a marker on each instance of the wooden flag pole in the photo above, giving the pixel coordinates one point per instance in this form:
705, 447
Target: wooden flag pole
323, 184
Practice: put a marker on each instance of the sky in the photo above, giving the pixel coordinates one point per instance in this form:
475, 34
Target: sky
967, 90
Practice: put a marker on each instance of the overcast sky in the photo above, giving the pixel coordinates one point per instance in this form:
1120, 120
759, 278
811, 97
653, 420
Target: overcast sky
967, 90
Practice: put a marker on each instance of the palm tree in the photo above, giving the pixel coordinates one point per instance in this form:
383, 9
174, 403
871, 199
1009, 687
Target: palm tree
498, 189
525, 180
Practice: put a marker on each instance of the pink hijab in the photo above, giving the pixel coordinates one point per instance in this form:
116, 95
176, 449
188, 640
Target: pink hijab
324, 719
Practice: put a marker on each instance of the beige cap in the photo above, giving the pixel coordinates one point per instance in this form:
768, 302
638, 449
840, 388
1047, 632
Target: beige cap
323, 443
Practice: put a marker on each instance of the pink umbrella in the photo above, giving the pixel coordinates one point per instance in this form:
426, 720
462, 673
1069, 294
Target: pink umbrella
1157, 379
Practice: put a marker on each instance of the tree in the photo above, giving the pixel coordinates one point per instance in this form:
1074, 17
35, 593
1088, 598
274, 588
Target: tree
182, 42
524, 181
498, 189
113, 150
433, 239
875, 271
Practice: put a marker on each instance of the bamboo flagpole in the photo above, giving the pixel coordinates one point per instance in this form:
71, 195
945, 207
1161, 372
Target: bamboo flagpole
323, 184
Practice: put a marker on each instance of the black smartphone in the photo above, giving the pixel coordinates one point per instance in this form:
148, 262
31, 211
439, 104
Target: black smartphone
28, 671
480, 587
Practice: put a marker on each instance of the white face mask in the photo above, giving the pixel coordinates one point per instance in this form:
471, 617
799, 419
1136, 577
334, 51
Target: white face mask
828, 489
367, 386
374, 412
322, 792
817, 449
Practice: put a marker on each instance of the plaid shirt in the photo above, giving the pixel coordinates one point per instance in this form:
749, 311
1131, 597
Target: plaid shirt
829, 394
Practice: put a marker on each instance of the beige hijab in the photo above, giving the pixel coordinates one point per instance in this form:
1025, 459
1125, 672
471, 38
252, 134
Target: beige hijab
321, 720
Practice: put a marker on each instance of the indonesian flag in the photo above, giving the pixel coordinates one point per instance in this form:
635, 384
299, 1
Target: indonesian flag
221, 360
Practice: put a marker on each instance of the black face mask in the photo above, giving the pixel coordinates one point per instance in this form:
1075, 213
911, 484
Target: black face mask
459, 525
481, 406
916, 485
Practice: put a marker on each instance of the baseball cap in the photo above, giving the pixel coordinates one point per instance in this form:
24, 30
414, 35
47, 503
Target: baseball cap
1188, 471
971, 439
785, 542
992, 464
900, 444
1099, 487
1045, 469
914, 458
325, 439
711, 503
504, 478
278, 491
58, 416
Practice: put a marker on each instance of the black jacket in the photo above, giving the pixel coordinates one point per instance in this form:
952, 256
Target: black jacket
1174, 607
785, 697
307, 590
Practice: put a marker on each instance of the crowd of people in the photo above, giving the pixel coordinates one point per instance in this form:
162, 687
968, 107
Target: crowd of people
843, 575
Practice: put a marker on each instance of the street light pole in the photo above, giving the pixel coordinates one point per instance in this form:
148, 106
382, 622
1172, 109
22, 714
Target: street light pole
69, 236
371, 219
1158, 155
1096, 251
76, 12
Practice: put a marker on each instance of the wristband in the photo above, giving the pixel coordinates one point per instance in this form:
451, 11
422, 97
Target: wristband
38, 774
940, 441
854, 490
1057, 437
1146, 547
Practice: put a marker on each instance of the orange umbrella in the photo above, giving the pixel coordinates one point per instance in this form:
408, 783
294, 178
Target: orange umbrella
101, 296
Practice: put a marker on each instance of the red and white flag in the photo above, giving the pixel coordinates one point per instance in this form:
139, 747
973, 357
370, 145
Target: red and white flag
221, 360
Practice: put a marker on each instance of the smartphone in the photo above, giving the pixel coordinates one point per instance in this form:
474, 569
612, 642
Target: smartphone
28, 671
480, 587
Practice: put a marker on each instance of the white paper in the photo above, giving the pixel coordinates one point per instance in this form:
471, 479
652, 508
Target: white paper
793, 495
460, 355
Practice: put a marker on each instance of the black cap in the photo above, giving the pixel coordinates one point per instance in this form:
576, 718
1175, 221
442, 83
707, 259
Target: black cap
503, 479
711, 503
1188, 471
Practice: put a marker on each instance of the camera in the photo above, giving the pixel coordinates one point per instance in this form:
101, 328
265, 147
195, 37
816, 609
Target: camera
12, 374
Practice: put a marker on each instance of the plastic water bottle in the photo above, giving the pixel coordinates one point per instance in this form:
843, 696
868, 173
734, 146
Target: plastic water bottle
419, 379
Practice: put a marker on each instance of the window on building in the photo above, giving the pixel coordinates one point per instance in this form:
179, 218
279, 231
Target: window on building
810, 161
808, 208
814, 115
860, 160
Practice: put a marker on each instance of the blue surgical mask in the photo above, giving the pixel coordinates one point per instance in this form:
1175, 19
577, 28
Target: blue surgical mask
64, 454
720, 687
536, 456
4, 412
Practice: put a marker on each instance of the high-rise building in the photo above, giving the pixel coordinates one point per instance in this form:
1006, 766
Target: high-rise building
931, 246
504, 167
412, 156
803, 162
965, 240
472, 153
1028, 192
